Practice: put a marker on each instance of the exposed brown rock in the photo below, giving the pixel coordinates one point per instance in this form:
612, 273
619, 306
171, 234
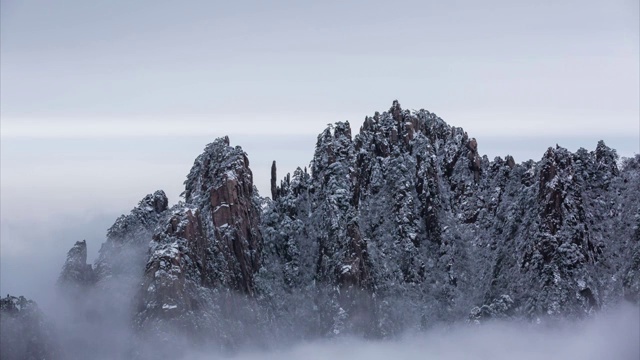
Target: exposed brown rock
221, 185
237, 222
396, 111
166, 270
355, 271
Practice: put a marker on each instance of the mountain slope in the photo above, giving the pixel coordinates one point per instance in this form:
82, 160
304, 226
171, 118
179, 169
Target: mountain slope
441, 231
403, 225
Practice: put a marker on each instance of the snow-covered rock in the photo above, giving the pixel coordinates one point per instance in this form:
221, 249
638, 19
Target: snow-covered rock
403, 225
25, 334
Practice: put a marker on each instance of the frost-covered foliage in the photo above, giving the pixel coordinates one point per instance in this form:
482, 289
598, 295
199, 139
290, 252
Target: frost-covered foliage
446, 234
128, 238
626, 208
499, 308
24, 332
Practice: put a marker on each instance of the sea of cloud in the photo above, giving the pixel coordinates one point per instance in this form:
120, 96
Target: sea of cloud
610, 335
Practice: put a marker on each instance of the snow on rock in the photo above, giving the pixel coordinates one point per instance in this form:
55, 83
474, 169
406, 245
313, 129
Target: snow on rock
204, 248
123, 253
403, 225
432, 227
75, 271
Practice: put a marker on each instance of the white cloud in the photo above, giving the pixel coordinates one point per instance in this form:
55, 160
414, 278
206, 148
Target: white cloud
610, 335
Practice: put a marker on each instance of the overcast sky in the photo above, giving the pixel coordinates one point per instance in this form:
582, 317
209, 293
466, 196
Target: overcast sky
103, 102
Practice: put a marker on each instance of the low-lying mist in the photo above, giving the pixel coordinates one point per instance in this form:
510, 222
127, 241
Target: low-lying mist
96, 323
97, 326
612, 334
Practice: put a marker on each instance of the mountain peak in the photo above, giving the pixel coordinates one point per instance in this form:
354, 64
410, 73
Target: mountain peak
76, 271
402, 226
218, 163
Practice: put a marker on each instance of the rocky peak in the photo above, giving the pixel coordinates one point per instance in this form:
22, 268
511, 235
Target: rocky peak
396, 111
221, 185
204, 248
142, 219
403, 225
274, 175
15, 304
607, 164
75, 270
220, 217
156, 202
606, 156
217, 165
122, 254
385, 132
556, 175
334, 146
24, 332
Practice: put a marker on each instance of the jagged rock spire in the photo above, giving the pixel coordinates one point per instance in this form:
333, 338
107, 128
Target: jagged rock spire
76, 271
274, 189
405, 217
220, 187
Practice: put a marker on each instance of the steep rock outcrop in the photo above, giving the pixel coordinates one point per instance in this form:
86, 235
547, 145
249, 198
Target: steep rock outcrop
76, 271
442, 230
274, 175
205, 250
220, 184
403, 225
124, 252
373, 214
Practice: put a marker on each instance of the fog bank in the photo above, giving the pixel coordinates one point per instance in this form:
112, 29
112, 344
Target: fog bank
613, 334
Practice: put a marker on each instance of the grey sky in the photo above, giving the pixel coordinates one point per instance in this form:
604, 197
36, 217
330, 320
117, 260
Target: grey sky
104, 102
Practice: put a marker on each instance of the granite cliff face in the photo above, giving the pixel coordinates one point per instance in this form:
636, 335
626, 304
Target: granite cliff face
403, 225
411, 215
206, 250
